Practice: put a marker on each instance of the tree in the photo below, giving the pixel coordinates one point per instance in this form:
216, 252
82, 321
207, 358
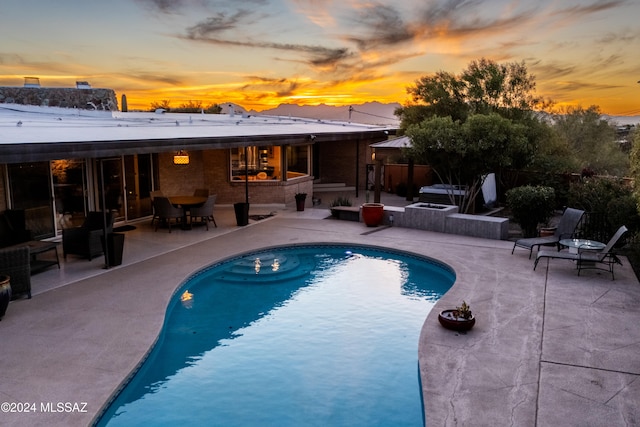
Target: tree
463, 153
165, 105
442, 94
635, 167
592, 140
187, 107
484, 87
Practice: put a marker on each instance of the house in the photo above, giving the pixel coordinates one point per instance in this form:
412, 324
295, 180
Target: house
59, 163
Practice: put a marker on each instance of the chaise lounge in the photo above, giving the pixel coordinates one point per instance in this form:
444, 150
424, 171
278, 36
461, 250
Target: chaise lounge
587, 259
566, 229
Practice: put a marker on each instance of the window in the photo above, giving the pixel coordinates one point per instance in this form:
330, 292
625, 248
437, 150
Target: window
262, 163
297, 161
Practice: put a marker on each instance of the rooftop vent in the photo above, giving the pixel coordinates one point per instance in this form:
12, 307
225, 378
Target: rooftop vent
83, 85
32, 82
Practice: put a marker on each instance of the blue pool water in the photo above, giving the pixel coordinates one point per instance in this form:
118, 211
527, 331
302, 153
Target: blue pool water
320, 335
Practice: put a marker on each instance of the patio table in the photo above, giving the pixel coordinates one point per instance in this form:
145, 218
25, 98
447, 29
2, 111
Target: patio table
577, 245
186, 203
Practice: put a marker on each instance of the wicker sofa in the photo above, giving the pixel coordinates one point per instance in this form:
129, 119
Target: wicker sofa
15, 262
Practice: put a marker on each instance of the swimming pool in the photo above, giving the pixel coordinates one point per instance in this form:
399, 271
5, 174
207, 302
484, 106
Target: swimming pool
290, 336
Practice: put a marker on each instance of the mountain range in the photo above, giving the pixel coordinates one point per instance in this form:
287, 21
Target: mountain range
374, 113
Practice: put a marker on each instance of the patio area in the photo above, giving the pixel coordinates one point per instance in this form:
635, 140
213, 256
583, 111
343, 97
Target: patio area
549, 348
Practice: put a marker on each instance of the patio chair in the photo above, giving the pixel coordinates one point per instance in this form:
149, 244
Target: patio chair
566, 228
205, 212
85, 240
153, 195
589, 259
165, 211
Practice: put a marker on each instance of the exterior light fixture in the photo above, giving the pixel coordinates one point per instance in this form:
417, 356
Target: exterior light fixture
181, 158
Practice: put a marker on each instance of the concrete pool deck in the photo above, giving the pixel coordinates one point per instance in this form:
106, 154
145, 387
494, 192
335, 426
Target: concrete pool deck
549, 348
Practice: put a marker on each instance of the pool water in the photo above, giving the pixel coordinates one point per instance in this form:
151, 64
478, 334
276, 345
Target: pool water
298, 336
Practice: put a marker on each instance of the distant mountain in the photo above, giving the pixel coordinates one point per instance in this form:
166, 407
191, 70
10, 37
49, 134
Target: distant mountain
624, 120
367, 113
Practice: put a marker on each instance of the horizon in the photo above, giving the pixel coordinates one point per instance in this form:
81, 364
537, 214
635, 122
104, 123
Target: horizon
263, 54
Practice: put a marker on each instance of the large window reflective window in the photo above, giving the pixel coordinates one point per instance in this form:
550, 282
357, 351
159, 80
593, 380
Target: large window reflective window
297, 161
69, 191
30, 189
261, 163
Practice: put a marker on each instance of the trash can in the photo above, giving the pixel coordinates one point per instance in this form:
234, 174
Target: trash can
115, 248
242, 213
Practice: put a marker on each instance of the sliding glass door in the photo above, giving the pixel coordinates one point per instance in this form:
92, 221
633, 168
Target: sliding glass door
30, 190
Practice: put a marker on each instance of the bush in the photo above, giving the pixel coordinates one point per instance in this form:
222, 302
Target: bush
530, 206
339, 201
609, 203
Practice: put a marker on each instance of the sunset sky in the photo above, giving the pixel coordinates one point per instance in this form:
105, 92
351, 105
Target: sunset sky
261, 53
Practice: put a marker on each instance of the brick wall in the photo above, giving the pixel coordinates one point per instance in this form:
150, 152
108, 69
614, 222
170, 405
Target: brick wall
210, 169
337, 162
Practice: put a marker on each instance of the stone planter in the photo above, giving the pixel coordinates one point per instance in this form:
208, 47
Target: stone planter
428, 216
5, 294
372, 214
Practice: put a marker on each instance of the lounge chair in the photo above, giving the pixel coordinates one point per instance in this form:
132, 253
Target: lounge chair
566, 228
586, 259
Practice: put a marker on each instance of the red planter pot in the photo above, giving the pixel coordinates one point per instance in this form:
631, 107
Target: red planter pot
372, 214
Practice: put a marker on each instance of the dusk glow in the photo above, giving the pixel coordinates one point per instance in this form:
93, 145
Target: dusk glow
261, 53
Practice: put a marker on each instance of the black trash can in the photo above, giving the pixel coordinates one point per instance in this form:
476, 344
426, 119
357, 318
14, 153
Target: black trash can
242, 213
115, 248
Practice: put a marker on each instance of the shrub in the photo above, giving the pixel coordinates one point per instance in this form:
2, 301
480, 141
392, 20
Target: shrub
530, 206
609, 203
339, 201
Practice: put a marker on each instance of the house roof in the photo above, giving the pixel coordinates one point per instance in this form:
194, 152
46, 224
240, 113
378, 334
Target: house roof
400, 142
30, 133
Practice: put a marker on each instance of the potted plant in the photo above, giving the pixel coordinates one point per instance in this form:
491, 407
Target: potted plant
458, 319
372, 214
300, 200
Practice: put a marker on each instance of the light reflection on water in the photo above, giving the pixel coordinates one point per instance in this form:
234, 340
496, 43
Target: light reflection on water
326, 338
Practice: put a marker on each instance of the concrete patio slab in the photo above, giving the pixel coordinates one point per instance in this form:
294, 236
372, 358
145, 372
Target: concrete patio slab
549, 348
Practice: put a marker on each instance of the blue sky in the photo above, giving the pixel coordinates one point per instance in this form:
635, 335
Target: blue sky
260, 53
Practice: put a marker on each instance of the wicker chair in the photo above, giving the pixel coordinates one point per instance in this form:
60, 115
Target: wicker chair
205, 212
86, 239
15, 262
165, 212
